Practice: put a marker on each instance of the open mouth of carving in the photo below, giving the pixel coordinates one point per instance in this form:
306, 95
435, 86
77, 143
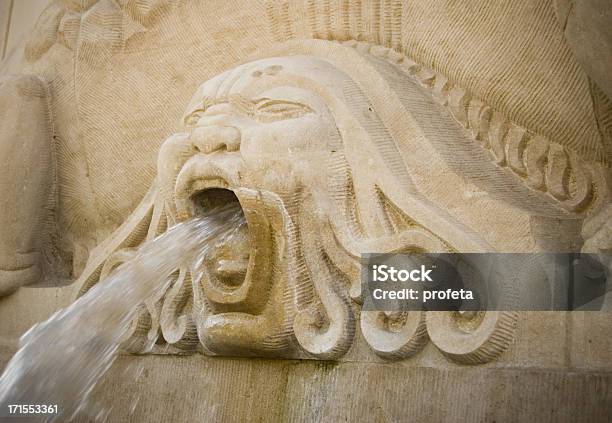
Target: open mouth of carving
237, 270
207, 200
228, 259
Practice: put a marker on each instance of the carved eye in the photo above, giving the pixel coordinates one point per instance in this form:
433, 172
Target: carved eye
193, 118
270, 110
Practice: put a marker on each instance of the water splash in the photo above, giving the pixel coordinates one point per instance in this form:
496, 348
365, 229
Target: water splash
61, 359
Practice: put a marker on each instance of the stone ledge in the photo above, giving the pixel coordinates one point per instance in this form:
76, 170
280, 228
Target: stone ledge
222, 389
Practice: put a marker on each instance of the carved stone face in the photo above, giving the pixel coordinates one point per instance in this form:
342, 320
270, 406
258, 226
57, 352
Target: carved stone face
250, 136
324, 159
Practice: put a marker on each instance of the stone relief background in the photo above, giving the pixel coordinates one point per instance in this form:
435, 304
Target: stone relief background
121, 74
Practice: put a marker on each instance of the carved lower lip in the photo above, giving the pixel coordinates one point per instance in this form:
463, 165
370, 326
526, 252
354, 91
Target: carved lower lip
229, 269
202, 186
228, 286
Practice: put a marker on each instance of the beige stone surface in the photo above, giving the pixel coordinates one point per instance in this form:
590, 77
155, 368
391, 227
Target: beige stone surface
28, 186
24, 15
298, 155
586, 26
17, 319
5, 20
130, 111
340, 128
235, 390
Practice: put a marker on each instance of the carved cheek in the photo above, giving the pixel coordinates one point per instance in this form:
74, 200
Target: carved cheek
173, 154
278, 140
305, 135
253, 142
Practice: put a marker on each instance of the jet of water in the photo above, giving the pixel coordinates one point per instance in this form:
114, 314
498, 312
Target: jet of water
61, 359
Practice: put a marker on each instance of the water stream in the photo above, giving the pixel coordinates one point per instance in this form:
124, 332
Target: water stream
61, 359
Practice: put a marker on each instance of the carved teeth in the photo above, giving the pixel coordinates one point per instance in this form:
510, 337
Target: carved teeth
458, 100
534, 158
483, 127
440, 88
473, 115
394, 56
557, 172
515, 144
426, 77
497, 131
410, 66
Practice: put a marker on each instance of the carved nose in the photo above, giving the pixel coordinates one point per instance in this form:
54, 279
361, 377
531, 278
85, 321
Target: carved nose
208, 139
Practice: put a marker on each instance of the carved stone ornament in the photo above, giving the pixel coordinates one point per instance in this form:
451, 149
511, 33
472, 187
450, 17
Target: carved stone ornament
350, 130
329, 148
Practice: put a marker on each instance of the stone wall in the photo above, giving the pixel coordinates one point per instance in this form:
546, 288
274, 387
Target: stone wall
16, 19
435, 126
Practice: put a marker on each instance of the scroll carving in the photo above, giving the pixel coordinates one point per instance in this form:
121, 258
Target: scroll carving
471, 338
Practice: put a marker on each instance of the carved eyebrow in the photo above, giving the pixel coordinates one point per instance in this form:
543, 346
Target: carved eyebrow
207, 102
193, 116
273, 109
267, 109
262, 109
